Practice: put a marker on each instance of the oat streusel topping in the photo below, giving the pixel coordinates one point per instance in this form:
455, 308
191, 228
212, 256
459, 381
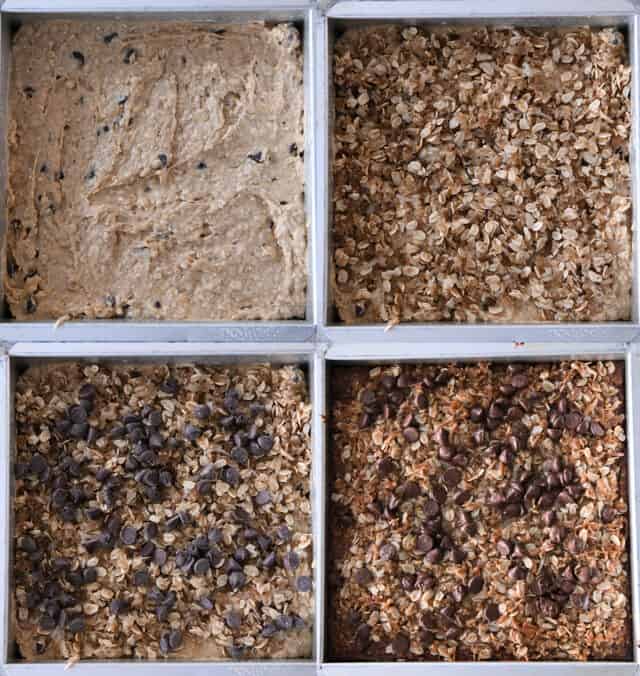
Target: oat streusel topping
479, 512
162, 511
481, 175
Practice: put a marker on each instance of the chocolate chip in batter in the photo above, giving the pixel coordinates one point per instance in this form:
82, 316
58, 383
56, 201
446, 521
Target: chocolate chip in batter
130, 55
79, 57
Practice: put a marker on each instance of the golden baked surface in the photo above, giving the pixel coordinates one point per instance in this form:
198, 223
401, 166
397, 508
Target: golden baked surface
479, 512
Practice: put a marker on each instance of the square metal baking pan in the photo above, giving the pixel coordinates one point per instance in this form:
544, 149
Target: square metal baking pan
25, 354
297, 12
376, 354
341, 14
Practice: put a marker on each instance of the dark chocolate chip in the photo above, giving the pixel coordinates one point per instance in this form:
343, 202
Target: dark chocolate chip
201, 567
141, 578
118, 606
291, 560
236, 579
411, 434
175, 639
76, 625
263, 497
519, 381
77, 414
476, 584
363, 577
128, 535
400, 644
424, 543
596, 429
452, 477
79, 57
608, 514
160, 556
433, 556
411, 490
492, 612
202, 412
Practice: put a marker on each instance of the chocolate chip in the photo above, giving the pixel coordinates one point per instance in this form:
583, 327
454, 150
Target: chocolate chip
128, 535
458, 555
304, 583
28, 544
231, 476
411, 434
597, 430
141, 578
263, 497
77, 414
236, 579
441, 436
118, 606
76, 625
89, 575
424, 543
492, 612
201, 567
79, 430
476, 584
504, 548
202, 412
38, 464
411, 490
400, 644
496, 412
173, 522
175, 639
265, 442
608, 514
386, 466
191, 432
519, 381
291, 560
572, 421
476, 414
433, 556
517, 572
462, 497
479, 437
452, 477
363, 577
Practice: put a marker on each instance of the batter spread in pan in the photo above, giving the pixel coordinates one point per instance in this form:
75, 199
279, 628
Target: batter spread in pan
156, 171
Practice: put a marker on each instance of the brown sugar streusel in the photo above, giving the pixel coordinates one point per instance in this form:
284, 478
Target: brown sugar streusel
479, 512
481, 174
162, 511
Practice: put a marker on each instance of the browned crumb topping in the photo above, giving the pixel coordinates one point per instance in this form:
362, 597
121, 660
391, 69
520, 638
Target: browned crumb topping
481, 175
162, 511
479, 512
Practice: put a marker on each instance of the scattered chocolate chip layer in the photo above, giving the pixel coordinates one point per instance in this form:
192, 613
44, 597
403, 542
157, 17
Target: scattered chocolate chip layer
495, 529
119, 552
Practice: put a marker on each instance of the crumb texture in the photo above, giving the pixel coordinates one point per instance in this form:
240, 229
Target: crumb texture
479, 513
162, 512
156, 171
481, 175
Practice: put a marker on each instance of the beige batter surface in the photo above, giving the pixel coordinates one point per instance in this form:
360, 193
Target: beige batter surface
156, 171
